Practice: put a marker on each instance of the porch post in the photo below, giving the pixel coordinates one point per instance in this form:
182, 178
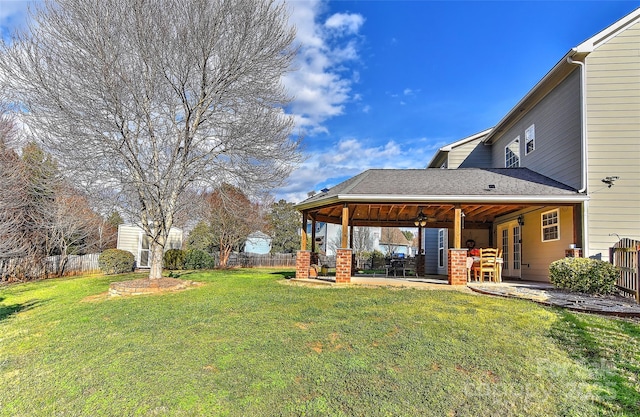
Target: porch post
457, 266
303, 235
345, 226
303, 257
457, 262
343, 254
343, 266
313, 234
420, 266
457, 228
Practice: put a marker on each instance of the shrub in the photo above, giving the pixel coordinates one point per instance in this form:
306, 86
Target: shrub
583, 275
116, 261
198, 259
174, 259
377, 259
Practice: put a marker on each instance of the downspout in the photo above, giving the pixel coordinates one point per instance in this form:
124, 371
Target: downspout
583, 138
583, 121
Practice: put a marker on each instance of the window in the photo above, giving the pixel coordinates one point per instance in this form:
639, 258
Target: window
550, 226
512, 154
530, 140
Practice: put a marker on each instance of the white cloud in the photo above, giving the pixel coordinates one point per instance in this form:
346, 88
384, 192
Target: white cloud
346, 22
321, 84
351, 156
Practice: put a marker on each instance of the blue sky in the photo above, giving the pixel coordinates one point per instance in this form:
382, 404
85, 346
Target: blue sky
384, 84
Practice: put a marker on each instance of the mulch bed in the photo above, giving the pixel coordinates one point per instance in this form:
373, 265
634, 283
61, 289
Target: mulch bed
149, 286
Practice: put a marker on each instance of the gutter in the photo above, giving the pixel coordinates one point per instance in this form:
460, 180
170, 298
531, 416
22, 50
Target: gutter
424, 199
584, 154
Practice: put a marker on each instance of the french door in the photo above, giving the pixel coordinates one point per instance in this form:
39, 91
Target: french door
510, 241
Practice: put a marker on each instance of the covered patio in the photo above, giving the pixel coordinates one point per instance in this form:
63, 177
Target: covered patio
458, 199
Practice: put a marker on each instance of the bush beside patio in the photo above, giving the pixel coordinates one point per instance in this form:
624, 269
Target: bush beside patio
590, 276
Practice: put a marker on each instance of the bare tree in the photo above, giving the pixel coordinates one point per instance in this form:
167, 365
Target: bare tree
230, 217
391, 238
73, 225
362, 240
22, 241
14, 203
147, 99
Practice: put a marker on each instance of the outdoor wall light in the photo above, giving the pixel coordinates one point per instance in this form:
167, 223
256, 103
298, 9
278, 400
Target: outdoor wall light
521, 220
421, 220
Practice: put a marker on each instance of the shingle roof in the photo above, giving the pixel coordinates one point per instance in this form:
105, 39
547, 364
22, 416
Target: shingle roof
435, 182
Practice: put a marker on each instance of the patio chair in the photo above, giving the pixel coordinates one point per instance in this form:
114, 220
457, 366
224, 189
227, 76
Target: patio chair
486, 265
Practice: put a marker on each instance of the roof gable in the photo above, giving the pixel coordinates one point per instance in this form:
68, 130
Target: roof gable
435, 161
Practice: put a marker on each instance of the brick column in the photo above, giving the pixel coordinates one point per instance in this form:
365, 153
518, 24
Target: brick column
343, 266
573, 253
457, 266
420, 265
303, 261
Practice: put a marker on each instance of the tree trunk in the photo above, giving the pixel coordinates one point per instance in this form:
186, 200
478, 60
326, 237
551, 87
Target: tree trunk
224, 256
156, 253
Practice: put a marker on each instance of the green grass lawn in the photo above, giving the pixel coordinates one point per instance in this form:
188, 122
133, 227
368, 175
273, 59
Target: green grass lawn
243, 345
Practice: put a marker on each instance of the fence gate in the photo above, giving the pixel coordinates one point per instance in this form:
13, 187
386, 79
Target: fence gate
624, 255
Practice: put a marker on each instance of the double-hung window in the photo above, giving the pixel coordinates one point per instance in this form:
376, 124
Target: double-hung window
530, 140
512, 154
550, 225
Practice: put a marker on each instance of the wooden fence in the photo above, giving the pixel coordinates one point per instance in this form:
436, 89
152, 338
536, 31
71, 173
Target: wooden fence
251, 260
31, 268
76, 264
82, 264
624, 255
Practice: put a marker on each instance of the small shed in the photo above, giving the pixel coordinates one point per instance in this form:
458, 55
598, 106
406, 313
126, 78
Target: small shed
133, 239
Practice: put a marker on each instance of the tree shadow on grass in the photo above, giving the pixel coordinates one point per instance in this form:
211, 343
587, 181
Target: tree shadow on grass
287, 274
609, 349
7, 311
